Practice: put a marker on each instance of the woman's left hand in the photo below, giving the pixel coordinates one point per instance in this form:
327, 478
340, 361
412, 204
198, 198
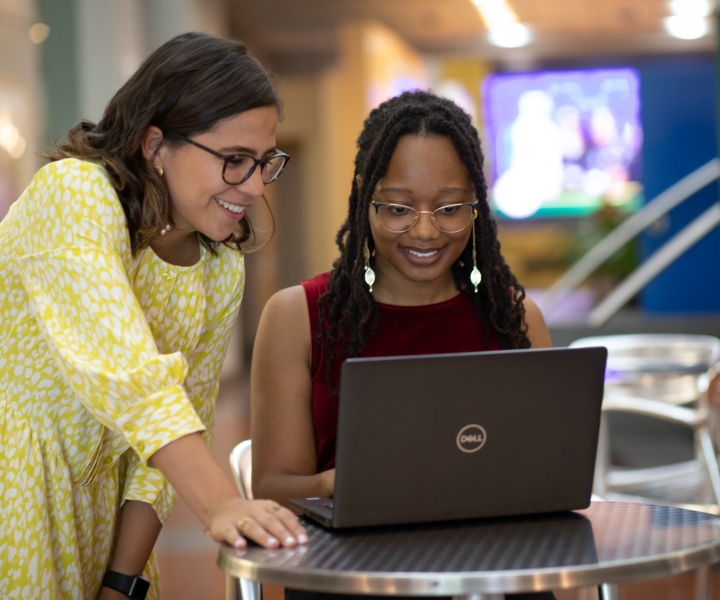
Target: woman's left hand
263, 521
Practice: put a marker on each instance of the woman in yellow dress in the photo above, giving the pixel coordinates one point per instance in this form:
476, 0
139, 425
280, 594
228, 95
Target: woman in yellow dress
121, 277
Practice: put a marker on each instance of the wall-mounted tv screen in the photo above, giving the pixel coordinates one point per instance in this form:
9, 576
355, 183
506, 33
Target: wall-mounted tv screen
563, 143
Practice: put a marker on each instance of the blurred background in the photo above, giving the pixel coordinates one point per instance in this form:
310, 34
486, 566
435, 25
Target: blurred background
588, 110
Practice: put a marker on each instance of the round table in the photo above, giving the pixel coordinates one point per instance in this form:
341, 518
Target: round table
605, 544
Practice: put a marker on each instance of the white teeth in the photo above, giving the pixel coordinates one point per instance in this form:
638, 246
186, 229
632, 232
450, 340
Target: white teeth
422, 254
231, 207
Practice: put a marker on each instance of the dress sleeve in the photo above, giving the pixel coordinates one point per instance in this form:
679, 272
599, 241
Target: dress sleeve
145, 484
75, 236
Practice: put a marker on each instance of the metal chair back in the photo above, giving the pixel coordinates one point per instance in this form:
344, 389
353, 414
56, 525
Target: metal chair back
665, 377
241, 464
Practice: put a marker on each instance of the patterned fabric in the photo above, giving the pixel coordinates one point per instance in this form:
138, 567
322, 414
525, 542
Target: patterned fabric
105, 359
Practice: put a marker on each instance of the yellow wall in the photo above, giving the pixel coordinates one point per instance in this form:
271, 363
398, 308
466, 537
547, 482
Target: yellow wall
325, 114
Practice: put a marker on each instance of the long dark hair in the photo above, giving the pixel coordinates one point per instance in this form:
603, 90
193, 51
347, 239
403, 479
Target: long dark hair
348, 314
186, 87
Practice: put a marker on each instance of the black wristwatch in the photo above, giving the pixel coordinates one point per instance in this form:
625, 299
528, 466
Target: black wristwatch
132, 586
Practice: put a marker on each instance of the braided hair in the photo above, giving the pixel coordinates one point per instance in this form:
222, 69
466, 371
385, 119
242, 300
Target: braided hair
348, 314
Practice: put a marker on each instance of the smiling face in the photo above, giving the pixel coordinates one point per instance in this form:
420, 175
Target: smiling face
200, 199
425, 173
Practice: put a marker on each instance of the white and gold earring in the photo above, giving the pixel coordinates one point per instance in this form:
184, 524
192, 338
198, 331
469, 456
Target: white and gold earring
369, 273
167, 229
475, 275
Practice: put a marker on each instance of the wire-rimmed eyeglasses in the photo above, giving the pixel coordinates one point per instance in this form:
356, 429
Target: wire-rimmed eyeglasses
238, 168
399, 218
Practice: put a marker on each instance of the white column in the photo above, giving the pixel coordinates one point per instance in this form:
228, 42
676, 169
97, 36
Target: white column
116, 35
111, 46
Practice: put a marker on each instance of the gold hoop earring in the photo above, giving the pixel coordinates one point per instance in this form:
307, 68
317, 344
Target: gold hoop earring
159, 170
475, 275
369, 273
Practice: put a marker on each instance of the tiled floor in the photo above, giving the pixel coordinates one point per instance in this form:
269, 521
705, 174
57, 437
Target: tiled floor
187, 557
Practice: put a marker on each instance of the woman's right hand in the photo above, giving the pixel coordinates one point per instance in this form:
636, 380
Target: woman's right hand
263, 521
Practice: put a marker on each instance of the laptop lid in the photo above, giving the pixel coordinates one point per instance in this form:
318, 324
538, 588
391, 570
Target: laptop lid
457, 436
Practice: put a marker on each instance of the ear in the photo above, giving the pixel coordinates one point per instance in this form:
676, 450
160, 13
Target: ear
151, 142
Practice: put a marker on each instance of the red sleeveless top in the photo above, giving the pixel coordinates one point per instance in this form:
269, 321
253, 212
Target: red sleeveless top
446, 327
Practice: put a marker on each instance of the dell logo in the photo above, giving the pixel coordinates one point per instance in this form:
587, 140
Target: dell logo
471, 438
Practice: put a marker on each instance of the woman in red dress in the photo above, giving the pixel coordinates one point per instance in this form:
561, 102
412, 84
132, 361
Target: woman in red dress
419, 272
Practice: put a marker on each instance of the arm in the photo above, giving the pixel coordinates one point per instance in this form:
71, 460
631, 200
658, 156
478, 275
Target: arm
138, 531
537, 330
281, 390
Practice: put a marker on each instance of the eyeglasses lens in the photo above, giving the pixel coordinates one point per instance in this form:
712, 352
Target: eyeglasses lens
272, 169
448, 219
453, 218
239, 168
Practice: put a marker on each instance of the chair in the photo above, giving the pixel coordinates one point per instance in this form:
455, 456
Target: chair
241, 465
663, 377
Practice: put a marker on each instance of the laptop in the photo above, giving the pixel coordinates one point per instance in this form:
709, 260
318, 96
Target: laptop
463, 436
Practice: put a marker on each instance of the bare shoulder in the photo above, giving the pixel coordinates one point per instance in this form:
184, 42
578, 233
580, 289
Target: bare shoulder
285, 324
289, 303
537, 329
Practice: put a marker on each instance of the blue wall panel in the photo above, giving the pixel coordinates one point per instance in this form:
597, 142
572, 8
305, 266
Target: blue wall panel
679, 115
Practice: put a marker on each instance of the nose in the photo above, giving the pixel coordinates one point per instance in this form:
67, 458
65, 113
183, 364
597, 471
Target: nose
254, 185
424, 228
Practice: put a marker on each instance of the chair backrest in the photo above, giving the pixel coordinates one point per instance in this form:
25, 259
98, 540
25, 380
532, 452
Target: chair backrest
671, 368
241, 464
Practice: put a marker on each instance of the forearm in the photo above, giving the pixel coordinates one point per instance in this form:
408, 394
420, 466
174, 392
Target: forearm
283, 487
190, 468
137, 534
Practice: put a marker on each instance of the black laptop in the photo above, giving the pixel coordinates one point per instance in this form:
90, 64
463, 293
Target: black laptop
462, 436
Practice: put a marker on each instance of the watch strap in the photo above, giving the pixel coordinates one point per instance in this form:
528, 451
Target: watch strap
131, 585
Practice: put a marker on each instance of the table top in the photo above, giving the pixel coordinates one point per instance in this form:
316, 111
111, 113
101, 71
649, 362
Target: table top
608, 542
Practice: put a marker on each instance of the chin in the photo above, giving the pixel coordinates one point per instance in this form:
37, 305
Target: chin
218, 236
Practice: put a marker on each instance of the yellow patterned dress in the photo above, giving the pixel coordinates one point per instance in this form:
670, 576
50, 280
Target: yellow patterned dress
105, 357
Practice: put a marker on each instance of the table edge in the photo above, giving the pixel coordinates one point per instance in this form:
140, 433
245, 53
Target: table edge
469, 582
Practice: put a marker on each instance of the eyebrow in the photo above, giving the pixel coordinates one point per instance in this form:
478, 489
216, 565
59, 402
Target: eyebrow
443, 191
243, 150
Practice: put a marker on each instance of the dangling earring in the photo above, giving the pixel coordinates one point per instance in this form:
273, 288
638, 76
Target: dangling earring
369, 273
166, 229
475, 276
159, 170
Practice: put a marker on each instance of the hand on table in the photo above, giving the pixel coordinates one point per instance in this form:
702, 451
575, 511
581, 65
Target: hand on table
263, 521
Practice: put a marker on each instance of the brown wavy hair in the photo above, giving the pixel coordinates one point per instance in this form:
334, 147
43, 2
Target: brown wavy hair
185, 87
348, 315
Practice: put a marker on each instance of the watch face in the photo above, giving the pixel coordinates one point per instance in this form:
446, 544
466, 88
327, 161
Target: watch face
130, 585
139, 589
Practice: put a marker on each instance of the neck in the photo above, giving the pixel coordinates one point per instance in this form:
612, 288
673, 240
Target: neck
177, 247
392, 287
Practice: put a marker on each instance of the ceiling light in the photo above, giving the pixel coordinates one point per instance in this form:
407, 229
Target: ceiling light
691, 8
512, 35
686, 28
504, 28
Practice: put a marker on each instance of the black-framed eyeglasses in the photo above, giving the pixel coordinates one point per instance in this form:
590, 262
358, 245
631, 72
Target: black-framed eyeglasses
238, 168
399, 218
